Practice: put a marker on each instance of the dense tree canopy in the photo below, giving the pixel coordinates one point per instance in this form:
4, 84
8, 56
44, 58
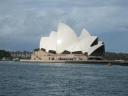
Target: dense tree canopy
5, 54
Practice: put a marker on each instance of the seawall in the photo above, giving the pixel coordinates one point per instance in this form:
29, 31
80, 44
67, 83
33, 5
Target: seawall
106, 62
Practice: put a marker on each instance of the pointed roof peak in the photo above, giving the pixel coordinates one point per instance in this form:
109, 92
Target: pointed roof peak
84, 33
62, 27
52, 33
62, 24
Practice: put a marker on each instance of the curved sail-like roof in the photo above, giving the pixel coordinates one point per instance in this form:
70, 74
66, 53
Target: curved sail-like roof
74, 47
86, 43
84, 33
44, 42
66, 39
52, 41
92, 49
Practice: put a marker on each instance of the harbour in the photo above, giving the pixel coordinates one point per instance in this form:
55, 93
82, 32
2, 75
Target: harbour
41, 79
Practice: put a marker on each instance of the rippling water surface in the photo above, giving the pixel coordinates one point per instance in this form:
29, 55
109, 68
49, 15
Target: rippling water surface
22, 79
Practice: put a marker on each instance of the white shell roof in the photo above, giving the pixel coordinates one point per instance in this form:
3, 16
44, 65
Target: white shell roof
66, 39
92, 49
86, 43
84, 33
74, 47
44, 42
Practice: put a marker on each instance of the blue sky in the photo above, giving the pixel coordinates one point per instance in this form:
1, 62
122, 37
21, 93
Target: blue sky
23, 22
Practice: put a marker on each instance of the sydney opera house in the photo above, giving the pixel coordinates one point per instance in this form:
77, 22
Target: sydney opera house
64, 44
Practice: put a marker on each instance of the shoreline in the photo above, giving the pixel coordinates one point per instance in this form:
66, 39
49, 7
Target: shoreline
97, 62
101, 62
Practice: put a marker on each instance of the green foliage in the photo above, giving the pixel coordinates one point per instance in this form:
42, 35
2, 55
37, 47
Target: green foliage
36, 49
5, 54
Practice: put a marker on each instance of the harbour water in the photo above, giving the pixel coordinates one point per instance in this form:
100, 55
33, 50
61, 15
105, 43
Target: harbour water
31, 79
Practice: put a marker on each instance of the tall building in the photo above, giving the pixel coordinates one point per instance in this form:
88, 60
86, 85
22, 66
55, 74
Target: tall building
65, 43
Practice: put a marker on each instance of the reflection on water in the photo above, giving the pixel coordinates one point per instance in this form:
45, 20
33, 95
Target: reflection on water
18, 79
